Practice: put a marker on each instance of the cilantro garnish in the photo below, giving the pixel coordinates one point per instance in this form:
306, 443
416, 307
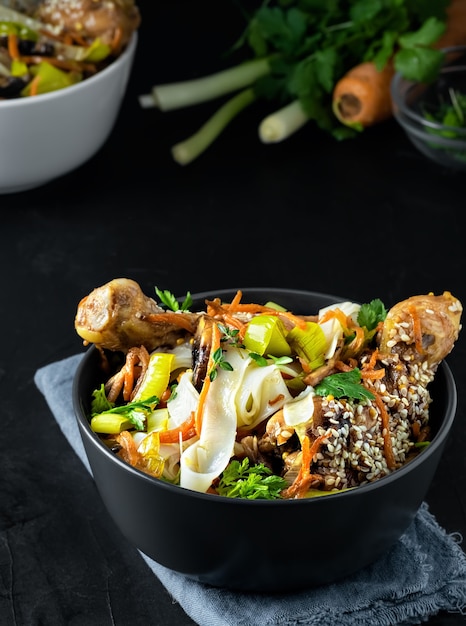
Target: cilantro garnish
134, 412
99, 401
371, 314
239, 480
344, 384
169, 300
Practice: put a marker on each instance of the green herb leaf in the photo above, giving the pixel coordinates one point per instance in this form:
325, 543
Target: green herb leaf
430, 31
99, 402
239, 480
259, 359
135, 412
344, 384
419, 64
169, 300
219, 361
370, 314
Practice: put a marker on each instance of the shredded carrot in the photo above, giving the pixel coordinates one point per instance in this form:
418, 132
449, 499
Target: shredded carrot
343, 367
294, 319
234, 322
215, 344
367, 374
387, 440
335, 314
177, 319
184, 431
13, 49
304, 478
416, 428
348, 326
216, 309
416, 328
34, 86
236, 300
368, 371
373, 360
358, 341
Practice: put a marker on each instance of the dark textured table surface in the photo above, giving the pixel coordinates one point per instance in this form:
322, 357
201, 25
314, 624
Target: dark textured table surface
366, 218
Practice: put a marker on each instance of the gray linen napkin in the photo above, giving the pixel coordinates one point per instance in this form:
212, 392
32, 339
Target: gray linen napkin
424, 573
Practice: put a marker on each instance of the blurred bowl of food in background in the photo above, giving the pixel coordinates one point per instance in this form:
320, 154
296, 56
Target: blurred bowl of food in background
62, 84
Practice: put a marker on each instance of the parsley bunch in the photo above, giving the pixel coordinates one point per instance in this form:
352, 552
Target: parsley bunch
298, 50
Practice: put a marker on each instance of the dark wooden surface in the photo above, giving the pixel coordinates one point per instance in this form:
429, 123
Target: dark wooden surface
367, 218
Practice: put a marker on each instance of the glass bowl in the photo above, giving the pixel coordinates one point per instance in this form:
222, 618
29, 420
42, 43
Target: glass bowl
419, 109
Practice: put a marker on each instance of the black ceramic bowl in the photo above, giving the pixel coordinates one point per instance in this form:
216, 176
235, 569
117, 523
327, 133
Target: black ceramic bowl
262, 545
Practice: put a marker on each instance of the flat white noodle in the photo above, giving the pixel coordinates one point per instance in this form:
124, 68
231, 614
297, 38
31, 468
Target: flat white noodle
300, 410
185, 401
206, 458
332, 327
260, 391
244, 396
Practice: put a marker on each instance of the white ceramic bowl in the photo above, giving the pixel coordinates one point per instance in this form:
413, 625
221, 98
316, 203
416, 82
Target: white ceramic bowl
46, 136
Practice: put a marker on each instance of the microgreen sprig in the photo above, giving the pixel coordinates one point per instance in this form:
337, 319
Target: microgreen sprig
218, 361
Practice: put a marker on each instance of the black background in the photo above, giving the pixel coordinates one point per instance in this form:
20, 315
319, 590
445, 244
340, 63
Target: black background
366, 218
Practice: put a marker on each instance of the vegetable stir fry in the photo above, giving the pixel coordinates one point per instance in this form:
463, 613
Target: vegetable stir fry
54, 44
252, 400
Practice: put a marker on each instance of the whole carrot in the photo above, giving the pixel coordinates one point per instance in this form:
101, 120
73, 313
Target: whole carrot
361, 98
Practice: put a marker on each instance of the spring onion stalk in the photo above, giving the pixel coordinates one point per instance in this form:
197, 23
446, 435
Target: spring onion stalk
186, 93
283, 123
189, 149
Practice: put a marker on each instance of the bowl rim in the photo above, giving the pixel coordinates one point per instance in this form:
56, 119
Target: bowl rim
400, 85
432, 138
438, 440
114, 66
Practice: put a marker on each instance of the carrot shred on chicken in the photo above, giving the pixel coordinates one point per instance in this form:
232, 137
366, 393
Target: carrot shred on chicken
368, 371
234, 322
343, 367
417, 330
387, 440
170, 317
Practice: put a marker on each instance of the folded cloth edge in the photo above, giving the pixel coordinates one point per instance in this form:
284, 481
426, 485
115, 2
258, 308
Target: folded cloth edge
438, 579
